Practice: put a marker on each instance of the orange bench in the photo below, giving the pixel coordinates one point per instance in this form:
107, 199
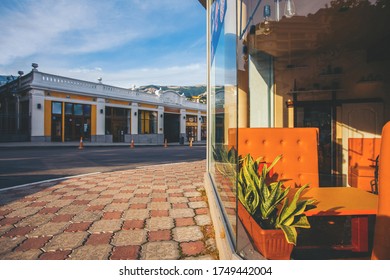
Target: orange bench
299, 147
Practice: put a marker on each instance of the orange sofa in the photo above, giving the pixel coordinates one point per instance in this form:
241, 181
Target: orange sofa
381, 248
362, 153
298, 146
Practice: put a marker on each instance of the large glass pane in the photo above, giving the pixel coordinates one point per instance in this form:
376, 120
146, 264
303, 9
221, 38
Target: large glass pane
56, 108
323, 65
223, 104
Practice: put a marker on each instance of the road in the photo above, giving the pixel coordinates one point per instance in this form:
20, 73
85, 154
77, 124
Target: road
20, 166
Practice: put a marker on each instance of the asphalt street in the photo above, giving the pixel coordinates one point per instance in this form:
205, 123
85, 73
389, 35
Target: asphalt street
20, 166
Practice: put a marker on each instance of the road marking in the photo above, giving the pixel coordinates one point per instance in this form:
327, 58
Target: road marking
48, 181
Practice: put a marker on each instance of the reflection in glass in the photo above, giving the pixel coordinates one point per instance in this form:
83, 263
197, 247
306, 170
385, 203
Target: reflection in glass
289, 8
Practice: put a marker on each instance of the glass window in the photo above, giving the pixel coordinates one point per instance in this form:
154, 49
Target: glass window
78, 109
147, 122
57, 108
87, 110
68, 109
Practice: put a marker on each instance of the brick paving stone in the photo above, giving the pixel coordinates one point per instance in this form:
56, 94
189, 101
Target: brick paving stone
50, 197
106, 226
159, 206
62, 218
48, 229
178, 199
129, 237
196, 198
10, 221
4, 212
179, 205
114, 215
66, 241
200, 258
201, 211
35, 220
192, 248
89, 252
116, 207
143, 199
203, 220
22, 255
16, 205
159, 213
37, 204
162, 250
96, 207
159, 197
72, 209
138, 206
33, 243
5, 228
81, 202
192, 194
24, 212
88, 196
136, 214
82, 226
100, 201
18, 231
159, 223
120, 200
185, 234
88, 216
49, 210
159, 235
99, 239
59, 203
181, 213
133, 224
7, 244
197, 204
57, 255
125, 253
182, 222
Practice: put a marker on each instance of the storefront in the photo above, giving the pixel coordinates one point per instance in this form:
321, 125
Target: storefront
293, 64
44, 107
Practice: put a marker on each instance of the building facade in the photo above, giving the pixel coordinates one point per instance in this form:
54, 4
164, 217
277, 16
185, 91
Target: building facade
41, 107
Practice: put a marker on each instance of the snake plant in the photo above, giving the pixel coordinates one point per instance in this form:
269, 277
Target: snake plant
269, 203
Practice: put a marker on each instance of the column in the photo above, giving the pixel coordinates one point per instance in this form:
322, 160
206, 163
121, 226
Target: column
100, 120
134, 119
37, 110
199, 122
183, 120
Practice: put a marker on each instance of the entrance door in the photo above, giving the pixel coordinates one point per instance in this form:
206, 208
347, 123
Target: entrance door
172, 127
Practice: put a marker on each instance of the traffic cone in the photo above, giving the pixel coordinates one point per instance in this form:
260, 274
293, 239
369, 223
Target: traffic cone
165, 143
191, 142
81, 145
132, 143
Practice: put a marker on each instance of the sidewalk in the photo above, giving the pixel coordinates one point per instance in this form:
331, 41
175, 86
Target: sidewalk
87, 144
154, 212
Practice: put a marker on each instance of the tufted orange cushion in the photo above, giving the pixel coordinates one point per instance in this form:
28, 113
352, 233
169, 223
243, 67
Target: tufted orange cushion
381, 248
299, 147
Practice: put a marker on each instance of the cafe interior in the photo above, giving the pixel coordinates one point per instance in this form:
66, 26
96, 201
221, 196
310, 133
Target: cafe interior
306, 83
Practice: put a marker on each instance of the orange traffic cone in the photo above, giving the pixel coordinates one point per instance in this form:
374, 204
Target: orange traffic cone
165, 143
81, 145
132, 143
191, 142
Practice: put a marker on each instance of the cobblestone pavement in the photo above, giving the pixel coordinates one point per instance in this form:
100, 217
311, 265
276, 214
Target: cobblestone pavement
154, 212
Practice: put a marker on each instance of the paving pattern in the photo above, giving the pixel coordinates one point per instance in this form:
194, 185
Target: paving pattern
149, 213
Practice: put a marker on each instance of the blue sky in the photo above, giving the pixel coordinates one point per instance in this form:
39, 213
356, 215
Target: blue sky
126, 42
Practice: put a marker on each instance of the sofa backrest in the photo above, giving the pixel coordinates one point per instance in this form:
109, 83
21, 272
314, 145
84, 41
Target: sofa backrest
381, 249
298, 147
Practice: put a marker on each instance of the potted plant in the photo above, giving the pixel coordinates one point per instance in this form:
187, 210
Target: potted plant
269, 214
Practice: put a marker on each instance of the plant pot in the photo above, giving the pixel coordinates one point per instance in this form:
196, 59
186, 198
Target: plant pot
271, 243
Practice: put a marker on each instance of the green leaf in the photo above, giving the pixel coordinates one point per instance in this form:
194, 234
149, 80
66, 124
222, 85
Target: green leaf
290, 233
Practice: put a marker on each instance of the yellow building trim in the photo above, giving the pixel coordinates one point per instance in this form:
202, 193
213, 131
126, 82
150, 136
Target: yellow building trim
93, 120
117, 102
192, 111
147, 106
70, 96
171, 110
47, 120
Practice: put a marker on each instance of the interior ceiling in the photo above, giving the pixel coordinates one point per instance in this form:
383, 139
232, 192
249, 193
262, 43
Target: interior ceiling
328, 28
